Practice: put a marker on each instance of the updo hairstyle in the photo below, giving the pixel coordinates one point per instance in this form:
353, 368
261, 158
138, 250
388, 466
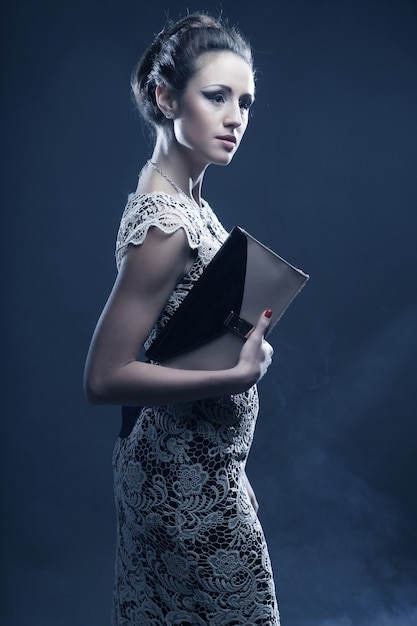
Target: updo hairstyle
172, 56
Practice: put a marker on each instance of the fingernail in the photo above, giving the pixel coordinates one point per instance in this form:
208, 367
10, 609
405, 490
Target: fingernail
268, 313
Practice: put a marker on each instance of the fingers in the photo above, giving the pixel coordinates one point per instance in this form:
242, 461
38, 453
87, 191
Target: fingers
256, 353
262, 324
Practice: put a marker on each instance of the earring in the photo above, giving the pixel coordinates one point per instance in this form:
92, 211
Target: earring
168, 116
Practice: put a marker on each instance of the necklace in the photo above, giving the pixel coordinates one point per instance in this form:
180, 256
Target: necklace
187, 198
174, 184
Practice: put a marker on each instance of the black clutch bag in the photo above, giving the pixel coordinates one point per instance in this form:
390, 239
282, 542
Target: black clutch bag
208, 329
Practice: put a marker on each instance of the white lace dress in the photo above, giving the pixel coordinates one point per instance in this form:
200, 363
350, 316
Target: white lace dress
190, 548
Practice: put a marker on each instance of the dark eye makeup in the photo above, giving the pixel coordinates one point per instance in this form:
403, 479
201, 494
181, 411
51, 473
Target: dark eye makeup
221, 96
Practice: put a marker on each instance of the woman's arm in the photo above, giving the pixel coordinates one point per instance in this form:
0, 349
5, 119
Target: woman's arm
146, 279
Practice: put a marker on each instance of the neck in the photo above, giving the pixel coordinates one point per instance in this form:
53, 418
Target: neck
176, 161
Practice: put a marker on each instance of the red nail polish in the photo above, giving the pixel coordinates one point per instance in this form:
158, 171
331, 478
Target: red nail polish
268, 313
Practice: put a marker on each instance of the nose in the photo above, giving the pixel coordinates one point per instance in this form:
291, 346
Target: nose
233, 117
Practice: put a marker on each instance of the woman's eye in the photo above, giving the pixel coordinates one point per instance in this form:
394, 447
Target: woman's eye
245, 105
216, 97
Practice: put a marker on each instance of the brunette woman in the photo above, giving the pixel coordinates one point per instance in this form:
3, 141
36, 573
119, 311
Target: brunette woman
190, 547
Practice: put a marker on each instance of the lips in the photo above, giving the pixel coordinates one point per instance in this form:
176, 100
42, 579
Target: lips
229, 141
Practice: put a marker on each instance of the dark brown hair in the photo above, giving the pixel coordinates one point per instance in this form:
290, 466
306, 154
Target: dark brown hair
172, 56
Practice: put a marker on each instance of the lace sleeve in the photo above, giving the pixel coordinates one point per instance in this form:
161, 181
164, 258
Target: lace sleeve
143, 211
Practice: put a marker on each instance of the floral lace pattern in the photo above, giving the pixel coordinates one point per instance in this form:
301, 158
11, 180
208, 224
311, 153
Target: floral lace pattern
159, 209
190, 548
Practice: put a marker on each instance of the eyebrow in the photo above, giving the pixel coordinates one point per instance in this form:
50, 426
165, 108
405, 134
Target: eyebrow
229, 90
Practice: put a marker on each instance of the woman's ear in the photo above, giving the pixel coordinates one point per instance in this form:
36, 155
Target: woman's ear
166, 100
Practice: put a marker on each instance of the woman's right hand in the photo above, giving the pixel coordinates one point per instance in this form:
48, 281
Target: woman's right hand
256, 354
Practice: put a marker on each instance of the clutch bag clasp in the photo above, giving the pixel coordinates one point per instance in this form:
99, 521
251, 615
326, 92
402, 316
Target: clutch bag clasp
238, 325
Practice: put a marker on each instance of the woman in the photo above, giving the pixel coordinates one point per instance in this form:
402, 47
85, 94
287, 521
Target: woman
190, 547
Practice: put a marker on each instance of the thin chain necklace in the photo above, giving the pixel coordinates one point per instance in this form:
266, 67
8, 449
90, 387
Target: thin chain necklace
188, 199
174, 184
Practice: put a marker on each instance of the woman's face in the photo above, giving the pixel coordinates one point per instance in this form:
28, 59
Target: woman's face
211, 115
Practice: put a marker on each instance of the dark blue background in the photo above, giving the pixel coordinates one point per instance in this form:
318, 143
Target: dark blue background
327, 177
